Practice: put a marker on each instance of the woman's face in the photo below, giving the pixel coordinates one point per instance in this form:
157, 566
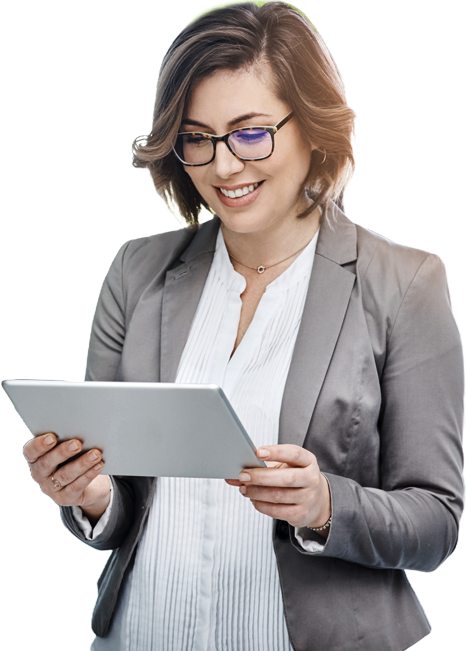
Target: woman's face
217, 103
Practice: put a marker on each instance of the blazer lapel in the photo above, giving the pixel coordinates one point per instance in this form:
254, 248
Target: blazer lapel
330, 288
181, 295
327, 299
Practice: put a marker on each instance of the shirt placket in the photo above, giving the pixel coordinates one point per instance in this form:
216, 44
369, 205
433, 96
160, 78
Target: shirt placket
223, 346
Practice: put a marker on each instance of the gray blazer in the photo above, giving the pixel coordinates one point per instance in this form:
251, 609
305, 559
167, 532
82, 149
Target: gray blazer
375, 390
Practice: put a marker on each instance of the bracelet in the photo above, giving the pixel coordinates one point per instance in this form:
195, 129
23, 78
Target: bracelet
327, 524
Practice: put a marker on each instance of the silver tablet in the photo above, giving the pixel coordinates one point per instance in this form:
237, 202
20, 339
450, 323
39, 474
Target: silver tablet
142, 428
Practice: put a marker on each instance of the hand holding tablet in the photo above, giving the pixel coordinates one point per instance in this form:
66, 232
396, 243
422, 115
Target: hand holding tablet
68, 482
141, 428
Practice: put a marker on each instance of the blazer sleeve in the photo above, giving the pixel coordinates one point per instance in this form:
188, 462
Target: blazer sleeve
411, 522
105, 347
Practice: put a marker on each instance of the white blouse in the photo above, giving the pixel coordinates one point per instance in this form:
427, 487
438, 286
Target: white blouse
205, 576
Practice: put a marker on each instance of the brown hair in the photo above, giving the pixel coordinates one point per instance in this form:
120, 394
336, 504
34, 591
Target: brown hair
306, 77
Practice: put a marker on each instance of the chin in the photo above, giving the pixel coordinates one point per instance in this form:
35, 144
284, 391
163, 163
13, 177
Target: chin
246, 222
250, 219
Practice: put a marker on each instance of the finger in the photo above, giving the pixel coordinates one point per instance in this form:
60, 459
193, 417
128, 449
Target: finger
293, 455
276, 464
280, 477
47, 463
278, 511
234, 482
74, 469
271, 464
275, 495
38, 446
73, 493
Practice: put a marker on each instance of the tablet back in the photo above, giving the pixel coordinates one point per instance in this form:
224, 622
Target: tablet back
143, 429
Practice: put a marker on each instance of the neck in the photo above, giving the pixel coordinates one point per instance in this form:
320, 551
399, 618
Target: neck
269, 246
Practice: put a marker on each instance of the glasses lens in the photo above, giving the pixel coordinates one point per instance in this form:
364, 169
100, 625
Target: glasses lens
251, 143
194, 149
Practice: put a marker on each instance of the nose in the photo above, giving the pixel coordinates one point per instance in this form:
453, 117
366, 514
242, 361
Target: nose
225, 163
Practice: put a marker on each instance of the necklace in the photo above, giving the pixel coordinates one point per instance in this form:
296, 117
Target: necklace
260, 269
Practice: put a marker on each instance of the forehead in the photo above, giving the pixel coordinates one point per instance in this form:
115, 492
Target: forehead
226, 94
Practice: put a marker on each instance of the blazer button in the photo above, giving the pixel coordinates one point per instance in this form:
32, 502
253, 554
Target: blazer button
282, 530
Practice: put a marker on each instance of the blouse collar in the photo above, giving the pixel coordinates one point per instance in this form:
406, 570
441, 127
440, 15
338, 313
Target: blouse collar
299, 269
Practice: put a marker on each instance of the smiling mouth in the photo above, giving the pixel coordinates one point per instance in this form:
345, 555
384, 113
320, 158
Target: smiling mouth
240, 192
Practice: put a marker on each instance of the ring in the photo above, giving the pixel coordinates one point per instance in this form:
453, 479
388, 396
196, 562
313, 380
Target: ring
56, 483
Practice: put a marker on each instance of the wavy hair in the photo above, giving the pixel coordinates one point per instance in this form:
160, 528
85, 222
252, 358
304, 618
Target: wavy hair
305, 76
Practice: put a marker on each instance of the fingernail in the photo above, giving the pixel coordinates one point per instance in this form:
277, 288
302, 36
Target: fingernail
244, 476
49, 440
242, 489
98, 466
73, 446
93, 455
263, 453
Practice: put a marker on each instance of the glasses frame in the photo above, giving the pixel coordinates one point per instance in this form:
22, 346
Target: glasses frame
215, 139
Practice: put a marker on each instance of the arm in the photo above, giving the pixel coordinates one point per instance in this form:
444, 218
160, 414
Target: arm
411, 522
106, 345
90, 527
119, 518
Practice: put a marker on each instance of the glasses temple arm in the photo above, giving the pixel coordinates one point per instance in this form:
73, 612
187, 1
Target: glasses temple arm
284, 121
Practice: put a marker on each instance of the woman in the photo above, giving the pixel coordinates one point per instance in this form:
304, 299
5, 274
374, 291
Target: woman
336, 347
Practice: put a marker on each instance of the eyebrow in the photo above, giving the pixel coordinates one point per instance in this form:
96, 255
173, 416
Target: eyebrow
232, 123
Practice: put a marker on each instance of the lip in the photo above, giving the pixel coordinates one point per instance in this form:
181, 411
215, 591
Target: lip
239, 202
239, 185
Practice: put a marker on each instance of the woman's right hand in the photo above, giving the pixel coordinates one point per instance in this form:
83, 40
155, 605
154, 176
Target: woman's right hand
75, 484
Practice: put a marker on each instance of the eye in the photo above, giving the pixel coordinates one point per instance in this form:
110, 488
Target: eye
252, 136
195, 140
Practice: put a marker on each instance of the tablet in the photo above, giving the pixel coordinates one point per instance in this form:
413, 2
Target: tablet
142, 428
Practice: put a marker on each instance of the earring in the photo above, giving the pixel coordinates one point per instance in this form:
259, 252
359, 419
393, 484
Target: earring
325, 157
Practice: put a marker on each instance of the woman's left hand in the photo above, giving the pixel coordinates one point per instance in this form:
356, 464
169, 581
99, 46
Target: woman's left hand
291, 488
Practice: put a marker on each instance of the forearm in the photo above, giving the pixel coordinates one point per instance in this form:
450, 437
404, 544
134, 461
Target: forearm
94, 511
402, 529
119, 522
410, 520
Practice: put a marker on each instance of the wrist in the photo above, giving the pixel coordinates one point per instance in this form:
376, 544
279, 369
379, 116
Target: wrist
323, 527
324, 518
95, 508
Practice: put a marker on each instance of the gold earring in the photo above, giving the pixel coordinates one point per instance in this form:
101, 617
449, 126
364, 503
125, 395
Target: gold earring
325, 157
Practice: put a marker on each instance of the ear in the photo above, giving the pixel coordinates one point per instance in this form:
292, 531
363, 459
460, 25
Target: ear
319, 153
314, 152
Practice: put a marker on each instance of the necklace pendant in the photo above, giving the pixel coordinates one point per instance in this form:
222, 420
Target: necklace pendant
260, 270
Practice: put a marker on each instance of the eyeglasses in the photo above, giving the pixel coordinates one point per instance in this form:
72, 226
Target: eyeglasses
195, 148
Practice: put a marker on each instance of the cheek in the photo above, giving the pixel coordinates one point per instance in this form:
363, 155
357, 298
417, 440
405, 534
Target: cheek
197, 176
194, 175
290, 176
293, 161
301, 158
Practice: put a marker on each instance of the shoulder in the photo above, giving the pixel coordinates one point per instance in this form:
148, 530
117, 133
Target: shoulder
399, 281
388, 268
377, 253
145, 260
371, 256
147, 255
383, 268
142, 263
157, 253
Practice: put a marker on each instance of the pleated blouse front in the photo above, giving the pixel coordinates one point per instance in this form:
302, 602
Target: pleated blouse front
205, 576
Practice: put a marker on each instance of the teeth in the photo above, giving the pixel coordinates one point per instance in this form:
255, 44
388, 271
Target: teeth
240, 192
